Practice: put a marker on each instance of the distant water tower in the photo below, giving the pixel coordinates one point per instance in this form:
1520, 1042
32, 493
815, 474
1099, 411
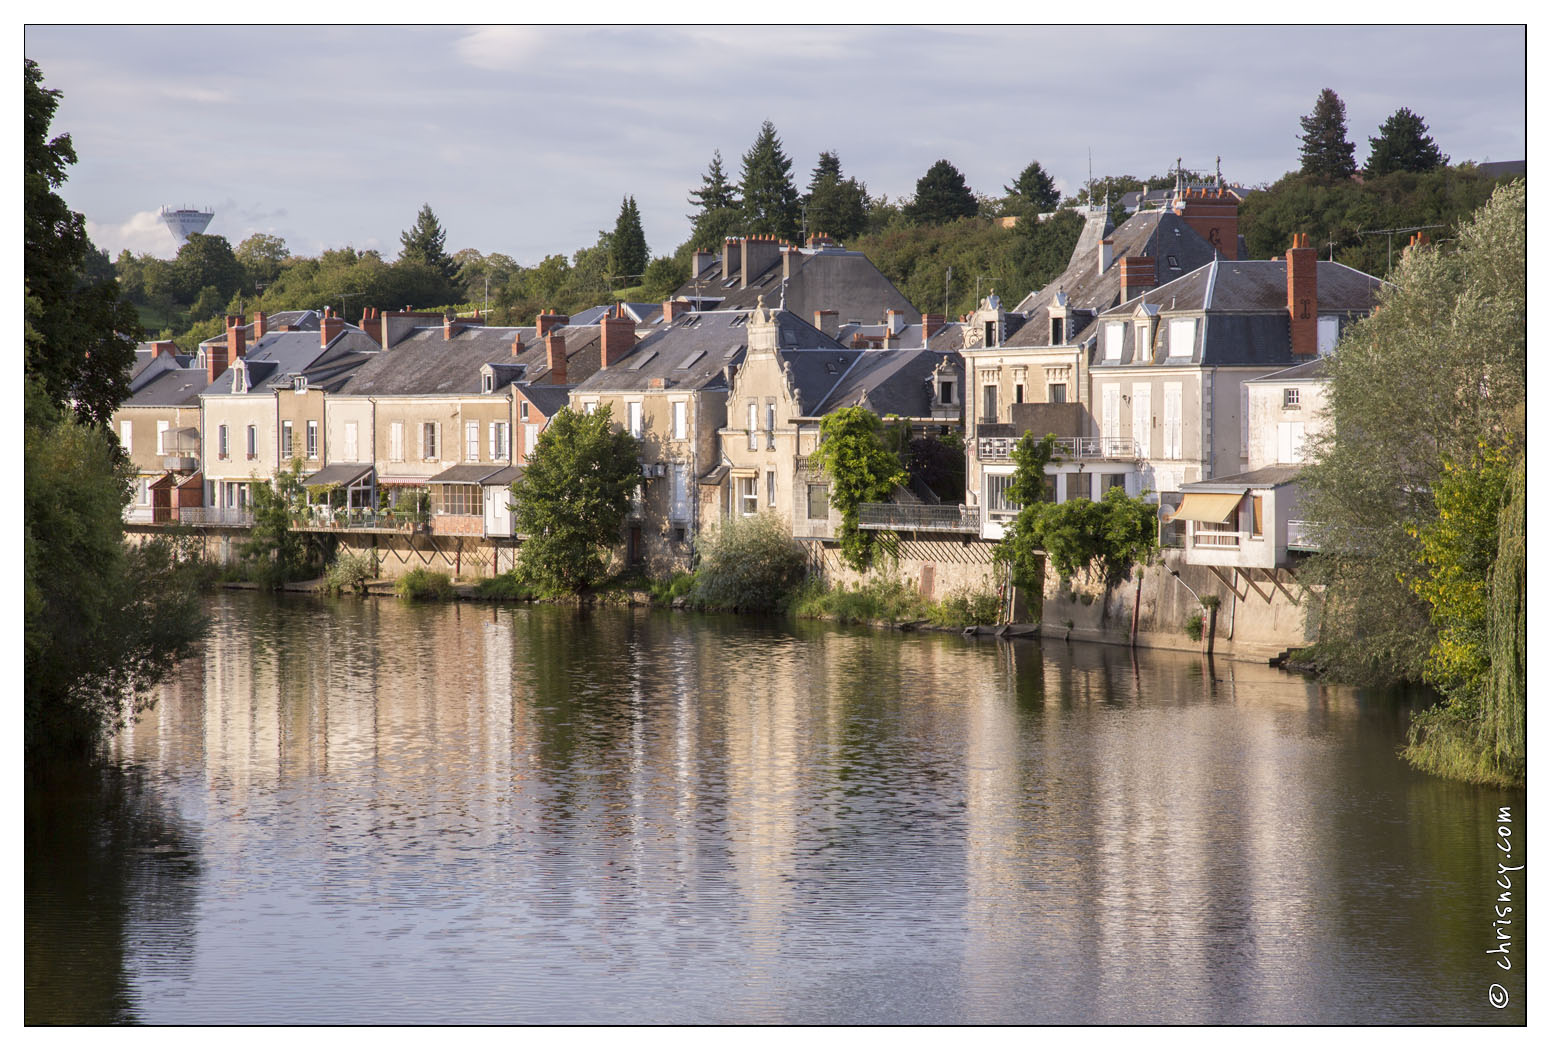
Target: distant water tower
184, 221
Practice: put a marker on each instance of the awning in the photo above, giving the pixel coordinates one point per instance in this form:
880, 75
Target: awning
1209, 507
345, 474
466, 474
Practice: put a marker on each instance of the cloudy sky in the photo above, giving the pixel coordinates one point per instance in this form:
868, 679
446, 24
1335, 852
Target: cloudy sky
524, 140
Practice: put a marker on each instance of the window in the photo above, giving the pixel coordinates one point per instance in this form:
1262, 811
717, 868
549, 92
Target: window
161, 437
1173, 425
1109, 426
1256, 521
1143, 343
222, 443
753, 425
988, 411
770, 422
996, 493
770, 488
471, 440
300, 384
487, 383
530, 440
459, 500
396, 441
680, 420
285, 439
1289, 442
1058, 393
522, 411
1141, 418
1290, 397
748, 492
1056, 326
1182, 337
352, 443
633, 414
498, 446
142, 490
589, 406
678, 507
126, 435
1329, 334
1079, 483
1017, 394
312, 439
428, 440
945, 392
1113, 481
252, 442
239, 378
1114, 337
818, 501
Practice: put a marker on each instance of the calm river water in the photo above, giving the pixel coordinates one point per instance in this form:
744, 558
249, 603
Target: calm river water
362, 811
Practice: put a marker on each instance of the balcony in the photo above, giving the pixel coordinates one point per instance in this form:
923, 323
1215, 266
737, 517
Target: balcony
999, 450
215, 516
356, 520
181, 462
1301, 536
1217, 540
920, 518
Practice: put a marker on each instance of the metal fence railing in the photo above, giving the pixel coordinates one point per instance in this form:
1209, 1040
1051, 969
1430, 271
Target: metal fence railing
1000, 449
925, 518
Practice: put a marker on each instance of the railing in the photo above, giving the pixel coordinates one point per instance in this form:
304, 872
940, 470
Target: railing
1217, 540
1000, 449
215, 516
1301, 534
139, 514
925, 518
339, 520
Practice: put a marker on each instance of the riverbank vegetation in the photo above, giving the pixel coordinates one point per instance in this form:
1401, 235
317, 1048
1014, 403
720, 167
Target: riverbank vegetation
1415, 487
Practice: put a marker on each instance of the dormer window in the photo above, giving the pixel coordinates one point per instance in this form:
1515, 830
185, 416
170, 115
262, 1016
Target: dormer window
299, 383
945, 392
239, 379
1057, 331
1114, 339
1182, 337
487, 381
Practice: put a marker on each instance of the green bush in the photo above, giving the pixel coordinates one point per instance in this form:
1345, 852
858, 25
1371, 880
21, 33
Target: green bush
508, 585
1193, 627
965, 608
350, 572
877, 599
666, 592
421, 584
748, 564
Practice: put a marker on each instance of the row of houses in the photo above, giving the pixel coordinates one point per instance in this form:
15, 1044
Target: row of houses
1164, 360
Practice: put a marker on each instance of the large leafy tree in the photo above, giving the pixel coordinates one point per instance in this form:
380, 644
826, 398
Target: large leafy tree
426, 242
771, 206
207, 262
1326, 151
572, 499
86, 332
627, 246
719, 213
262, 256
1020, 546
1402, 145
941, 197
835, 205
853, 453
1033, 191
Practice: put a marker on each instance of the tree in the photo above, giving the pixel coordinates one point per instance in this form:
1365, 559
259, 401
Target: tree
627, 246
1035, 191
663, 276
1326, 152
1020, 545
86, 332
747, 563
275, 554
1436, 370
425, 242
720, 213
835, 205
861, 470
770, 201
261, 257
941, 197
206, 261
1402, 145
572, 499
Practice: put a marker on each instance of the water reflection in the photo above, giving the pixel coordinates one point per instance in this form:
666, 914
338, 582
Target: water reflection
467, 813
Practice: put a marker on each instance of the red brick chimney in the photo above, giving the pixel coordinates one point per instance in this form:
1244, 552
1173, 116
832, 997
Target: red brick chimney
236, 338
554, 349
1303, 297
1138, 273
163, 348
215, 361
616, 337
673, 308
1214, 214
516, 344
931, 324
260, 325
330, 327
548, 321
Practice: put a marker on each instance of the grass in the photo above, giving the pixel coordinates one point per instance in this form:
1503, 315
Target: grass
885, 600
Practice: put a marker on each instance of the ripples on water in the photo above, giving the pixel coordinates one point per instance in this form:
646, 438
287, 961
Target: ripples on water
371, 812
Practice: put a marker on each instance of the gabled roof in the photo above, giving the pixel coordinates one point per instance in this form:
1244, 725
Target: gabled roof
1318, 369
821, 279
273, 360
890, 382
425, 362
548, 398
947, 337
170, 387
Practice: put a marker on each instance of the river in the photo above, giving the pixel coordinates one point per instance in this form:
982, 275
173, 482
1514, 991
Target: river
362, 811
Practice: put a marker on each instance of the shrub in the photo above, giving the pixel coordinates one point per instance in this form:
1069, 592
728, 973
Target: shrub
421, 584
964, 608
350, 572
877, 599
748, 564
1193, 627
509, 585
666, 592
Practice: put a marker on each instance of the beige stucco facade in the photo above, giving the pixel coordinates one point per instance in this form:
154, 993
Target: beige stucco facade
239, 446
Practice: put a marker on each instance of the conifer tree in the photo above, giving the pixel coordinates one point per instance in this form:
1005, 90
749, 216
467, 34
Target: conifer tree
1326, 152
941, 197
425, 242
720, 212
835, 205
1035, 190
627, 246
770, 201
1402, 145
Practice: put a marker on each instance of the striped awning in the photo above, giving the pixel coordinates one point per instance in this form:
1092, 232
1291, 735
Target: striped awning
1209, 507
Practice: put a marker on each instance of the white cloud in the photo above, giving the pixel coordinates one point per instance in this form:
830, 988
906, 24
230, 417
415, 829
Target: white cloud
501, 48
143, 234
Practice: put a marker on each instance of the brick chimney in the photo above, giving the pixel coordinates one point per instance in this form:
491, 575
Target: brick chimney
701, 263
1303, 297
931, 324
516, 344
236, 338
616, 338
554, 349
329, 327
260, 325
163, 348
673, 308
548, 321
730, 255
827, 322
215, 361
1138, 273
1213, 213
758, 253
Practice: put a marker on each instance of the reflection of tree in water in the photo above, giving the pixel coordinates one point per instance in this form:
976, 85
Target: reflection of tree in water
111, 881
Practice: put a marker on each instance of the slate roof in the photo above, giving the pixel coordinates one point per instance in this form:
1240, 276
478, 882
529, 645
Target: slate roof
890, 382
1161, 236
548, 398
427, 363
171, 387
948, 337
1260, 478
1317, 369
1244, 303
827, 279
692, 353
294, 320
273, 360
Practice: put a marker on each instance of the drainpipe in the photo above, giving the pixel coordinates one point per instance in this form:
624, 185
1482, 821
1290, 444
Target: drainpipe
1206, 615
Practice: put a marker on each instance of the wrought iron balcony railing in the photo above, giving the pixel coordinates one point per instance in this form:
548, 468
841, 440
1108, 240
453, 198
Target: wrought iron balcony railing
924, 518
994, 450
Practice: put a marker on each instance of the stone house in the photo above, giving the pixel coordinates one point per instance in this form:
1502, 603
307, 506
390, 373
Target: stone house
158, 427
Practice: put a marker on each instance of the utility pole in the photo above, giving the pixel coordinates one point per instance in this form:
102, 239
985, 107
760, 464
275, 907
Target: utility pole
1399, 230
946, 278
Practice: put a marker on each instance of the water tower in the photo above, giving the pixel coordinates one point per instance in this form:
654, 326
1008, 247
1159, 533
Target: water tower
184, 221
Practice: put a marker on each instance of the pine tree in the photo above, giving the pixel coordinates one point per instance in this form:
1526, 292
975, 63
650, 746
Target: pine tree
835, 206
627, 246
425, 242
1035, 191
1326, 152
941, 197
770, 201
720, 212
1402, 145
